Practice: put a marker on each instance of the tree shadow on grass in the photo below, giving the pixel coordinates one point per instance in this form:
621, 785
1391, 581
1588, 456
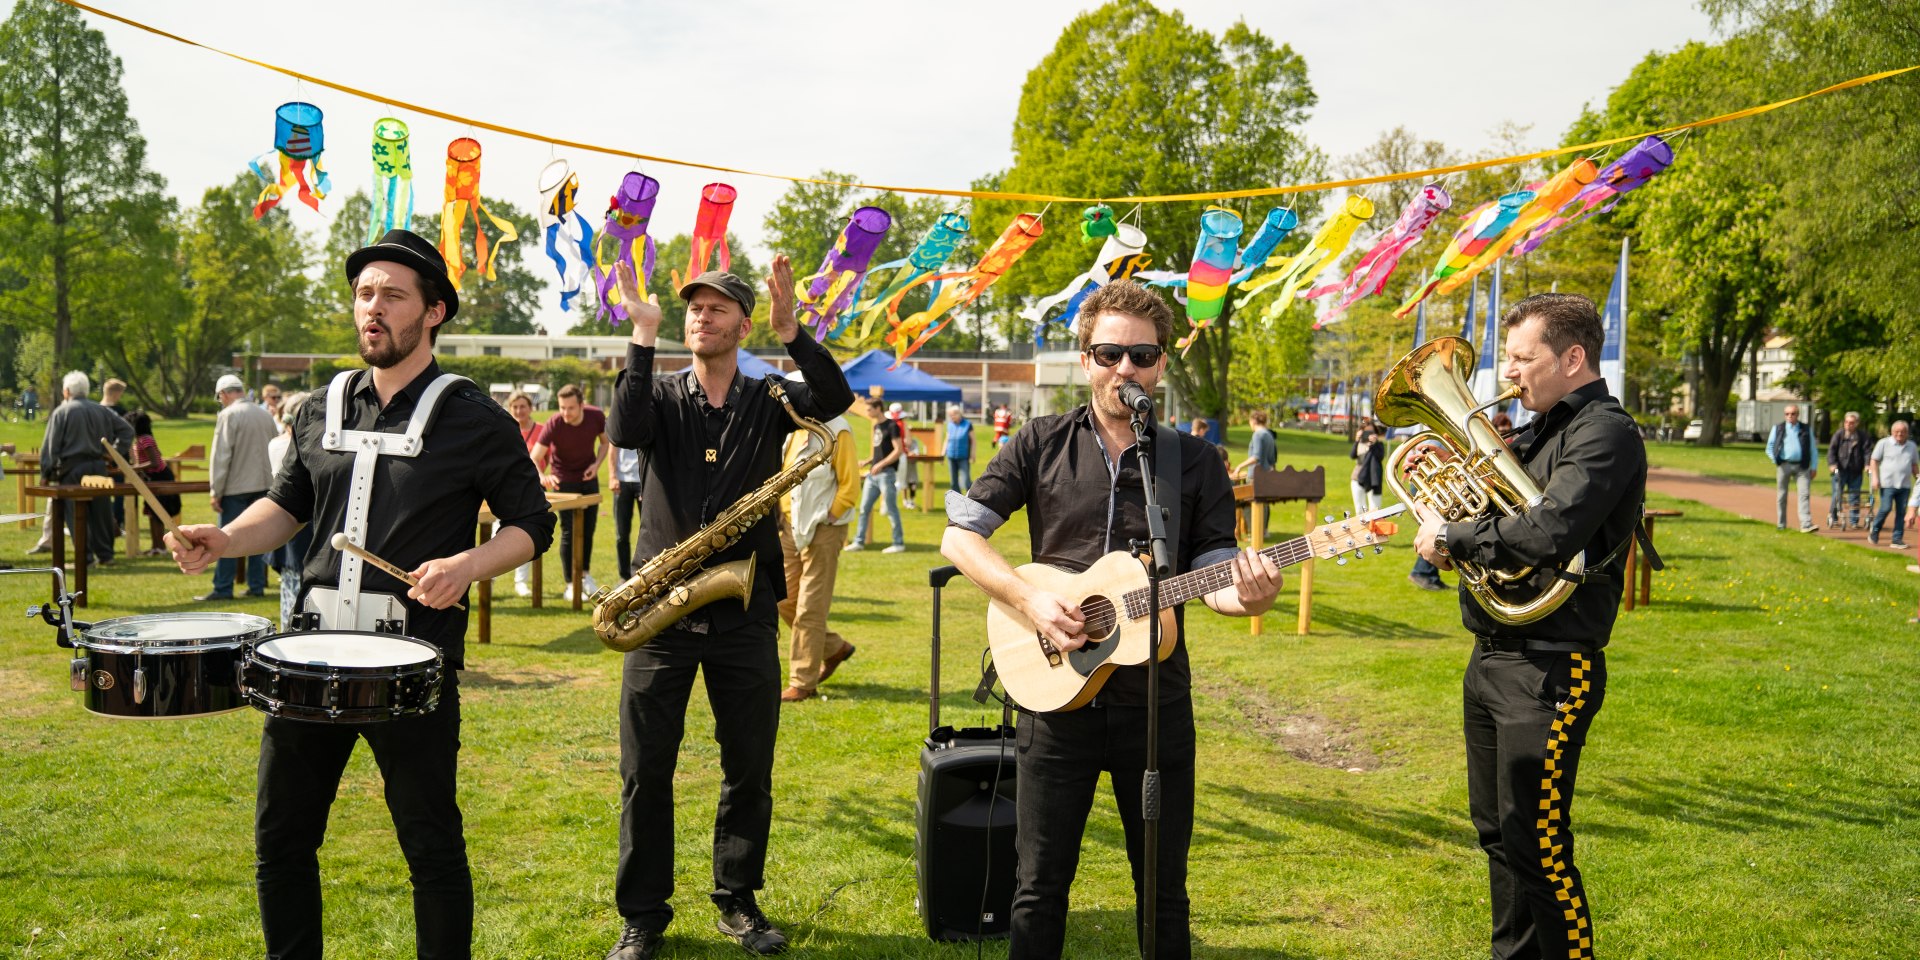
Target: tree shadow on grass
1740, 805
1371, 625
881, 822
580, 640
1697, 606
1399, 828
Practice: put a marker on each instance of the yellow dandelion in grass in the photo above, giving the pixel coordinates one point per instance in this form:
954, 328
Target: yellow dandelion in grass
1786, 666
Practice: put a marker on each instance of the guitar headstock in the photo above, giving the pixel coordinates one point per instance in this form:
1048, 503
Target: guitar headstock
1336, 539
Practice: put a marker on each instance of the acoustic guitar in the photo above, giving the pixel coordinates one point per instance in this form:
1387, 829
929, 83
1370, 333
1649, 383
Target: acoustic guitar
1113, 603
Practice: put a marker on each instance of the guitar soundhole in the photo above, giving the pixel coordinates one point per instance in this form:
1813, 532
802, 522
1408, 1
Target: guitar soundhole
1098, 615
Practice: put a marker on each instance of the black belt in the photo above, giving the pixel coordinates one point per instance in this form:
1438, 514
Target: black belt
1489, 645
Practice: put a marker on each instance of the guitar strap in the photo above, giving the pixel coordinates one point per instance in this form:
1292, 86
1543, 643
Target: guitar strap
1166, 482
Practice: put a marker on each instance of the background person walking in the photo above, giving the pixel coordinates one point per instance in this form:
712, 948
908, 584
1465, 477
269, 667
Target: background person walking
1790, 446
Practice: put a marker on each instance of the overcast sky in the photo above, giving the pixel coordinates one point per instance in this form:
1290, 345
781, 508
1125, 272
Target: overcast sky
893, 92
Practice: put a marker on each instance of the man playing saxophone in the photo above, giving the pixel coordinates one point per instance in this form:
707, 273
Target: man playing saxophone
708, 438
1532, 688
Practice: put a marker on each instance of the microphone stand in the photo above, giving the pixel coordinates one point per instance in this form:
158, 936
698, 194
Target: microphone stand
1160, 565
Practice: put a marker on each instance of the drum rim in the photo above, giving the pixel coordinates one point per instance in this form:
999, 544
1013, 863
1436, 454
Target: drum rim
261, 627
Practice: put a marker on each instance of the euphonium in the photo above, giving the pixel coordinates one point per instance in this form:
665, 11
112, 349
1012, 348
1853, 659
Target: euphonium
674, 584
1476, 477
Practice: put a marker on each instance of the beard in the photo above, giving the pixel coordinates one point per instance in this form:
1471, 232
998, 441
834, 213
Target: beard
399, 343
1106, 401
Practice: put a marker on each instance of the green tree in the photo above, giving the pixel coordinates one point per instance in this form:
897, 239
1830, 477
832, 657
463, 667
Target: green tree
237, 279
1849, 234
504, 304
1132, 100
78, 206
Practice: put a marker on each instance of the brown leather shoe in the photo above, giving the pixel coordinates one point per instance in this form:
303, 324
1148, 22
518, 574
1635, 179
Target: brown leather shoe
833, 663
795, 695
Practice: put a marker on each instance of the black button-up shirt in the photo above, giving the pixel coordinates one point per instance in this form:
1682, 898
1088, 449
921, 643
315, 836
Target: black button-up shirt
1588, 459
700, 459
422, 507
1084, 502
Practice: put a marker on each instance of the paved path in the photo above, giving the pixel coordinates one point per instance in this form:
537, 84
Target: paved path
1756, 502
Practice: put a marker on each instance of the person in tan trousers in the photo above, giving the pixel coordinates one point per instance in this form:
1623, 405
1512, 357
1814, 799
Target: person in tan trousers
813, 530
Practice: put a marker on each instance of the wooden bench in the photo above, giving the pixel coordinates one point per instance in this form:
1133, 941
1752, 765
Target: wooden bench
1645, 568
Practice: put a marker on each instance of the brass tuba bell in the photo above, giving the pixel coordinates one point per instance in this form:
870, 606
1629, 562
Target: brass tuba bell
1477, 476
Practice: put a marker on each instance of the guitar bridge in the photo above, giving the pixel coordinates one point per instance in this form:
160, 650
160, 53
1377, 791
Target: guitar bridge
1047, 647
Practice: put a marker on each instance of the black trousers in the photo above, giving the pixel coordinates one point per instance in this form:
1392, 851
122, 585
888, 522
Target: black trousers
587, 523
626, 508
1061, 757
1527, 716
744, 680
300, 766
101, 523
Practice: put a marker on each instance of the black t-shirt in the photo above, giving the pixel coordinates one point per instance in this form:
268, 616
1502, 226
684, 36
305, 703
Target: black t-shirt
886, 436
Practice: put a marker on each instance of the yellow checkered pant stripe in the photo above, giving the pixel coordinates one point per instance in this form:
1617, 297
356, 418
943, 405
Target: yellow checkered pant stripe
1552, 817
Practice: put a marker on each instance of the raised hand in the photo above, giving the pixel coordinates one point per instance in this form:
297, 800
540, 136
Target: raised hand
780, 300
643, 311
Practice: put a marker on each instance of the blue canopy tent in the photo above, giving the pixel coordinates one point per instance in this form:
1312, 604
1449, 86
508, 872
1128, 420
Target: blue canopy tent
750, 365
905, 384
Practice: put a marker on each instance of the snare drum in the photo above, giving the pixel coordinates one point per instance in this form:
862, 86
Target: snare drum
342, 676
165, 665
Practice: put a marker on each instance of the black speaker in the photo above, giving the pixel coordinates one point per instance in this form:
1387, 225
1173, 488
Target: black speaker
964, 830
964, 816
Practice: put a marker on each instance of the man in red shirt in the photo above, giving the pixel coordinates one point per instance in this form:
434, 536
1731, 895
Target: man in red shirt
1002, 425
569, 450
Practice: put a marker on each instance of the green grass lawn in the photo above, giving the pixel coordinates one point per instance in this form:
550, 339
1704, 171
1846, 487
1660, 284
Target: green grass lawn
1749, 790
1746, 462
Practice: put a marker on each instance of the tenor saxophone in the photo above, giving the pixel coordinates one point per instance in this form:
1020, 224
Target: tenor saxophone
675, 582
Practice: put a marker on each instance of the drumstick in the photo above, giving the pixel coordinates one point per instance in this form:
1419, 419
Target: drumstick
153, 502
345, 545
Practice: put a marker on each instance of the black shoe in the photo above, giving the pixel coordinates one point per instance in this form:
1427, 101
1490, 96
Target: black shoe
1426, 583
637, 944
742, 920
256, 593
210, 597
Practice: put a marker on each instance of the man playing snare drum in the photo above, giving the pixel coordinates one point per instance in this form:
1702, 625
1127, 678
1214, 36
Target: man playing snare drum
399, 459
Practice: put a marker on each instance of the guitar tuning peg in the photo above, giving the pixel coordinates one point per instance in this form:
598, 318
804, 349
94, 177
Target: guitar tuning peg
1359, 554
1345, 514
1327, 519
1341, 562
1378, 550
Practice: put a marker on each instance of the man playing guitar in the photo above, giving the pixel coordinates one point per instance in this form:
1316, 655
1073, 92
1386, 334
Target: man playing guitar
1079, 480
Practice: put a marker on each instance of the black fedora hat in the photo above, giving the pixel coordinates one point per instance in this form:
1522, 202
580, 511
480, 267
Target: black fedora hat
412, 250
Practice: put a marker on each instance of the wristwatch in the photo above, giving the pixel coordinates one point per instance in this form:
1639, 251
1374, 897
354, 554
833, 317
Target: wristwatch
1440, 543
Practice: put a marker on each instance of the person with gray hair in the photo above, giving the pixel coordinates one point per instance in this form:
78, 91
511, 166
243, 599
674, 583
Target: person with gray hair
71, 450
959, 449
1896, 462
239, 473
1795, 458
1847, 462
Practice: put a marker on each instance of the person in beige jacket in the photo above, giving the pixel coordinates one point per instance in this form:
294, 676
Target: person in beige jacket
813, 530
239, 473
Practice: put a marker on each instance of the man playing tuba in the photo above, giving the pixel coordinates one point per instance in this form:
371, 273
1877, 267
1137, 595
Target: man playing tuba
1534, 683
709, 438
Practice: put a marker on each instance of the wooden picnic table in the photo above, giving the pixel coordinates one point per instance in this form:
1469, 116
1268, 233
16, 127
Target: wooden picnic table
924, 462
81, 496
1645, 568
25, 470
577, 503
1265, 487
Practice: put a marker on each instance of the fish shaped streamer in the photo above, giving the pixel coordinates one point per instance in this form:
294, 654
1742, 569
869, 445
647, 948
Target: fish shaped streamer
912, 333
297, 138
462, 199
1555, 193
629, 211
569, 237
1120, 258
1629, 172
1280, 221
1479, 229
1214, 256
830, 291
1369, 275
928, 256
709, 232
1326, 246
392, 179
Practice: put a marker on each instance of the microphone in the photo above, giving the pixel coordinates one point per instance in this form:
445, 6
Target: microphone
1136, 398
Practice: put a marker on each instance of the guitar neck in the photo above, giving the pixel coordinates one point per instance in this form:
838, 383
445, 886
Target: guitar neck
1199, 583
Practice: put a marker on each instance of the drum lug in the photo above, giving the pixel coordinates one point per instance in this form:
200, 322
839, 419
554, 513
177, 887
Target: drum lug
139, 685
77, 674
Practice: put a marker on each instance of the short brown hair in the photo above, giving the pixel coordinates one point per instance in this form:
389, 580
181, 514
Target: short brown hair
1566, 319
570, 390
1128, 299
1258, 416
517, 395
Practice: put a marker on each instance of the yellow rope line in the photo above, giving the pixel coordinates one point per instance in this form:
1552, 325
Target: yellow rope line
996, 194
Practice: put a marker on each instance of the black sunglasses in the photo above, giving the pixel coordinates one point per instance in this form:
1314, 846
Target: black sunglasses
1144, 355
